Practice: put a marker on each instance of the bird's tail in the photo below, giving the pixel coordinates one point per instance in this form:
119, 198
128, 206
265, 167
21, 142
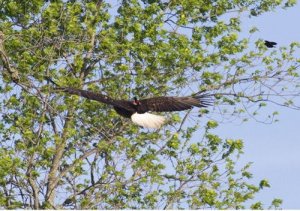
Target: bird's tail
148, 120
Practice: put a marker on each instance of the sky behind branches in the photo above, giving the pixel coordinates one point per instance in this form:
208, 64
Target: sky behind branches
274, 148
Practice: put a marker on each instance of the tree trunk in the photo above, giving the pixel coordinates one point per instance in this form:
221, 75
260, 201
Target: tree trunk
53, 174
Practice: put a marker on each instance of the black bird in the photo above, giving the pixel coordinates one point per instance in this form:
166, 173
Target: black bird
270, 44
138, 110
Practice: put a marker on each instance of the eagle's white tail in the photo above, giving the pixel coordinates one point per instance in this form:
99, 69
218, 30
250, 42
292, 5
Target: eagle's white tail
148, 120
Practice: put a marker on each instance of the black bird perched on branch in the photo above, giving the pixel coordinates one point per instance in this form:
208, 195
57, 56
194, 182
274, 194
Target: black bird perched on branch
138, 110
270, 44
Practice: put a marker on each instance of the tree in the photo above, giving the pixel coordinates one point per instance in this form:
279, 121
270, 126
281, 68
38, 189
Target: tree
61, 151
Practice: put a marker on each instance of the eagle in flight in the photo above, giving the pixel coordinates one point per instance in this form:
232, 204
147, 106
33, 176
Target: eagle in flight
138, 110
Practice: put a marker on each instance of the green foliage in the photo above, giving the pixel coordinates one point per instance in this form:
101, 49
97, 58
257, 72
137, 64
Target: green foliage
276, 203
257, 206
60, 151
264, 183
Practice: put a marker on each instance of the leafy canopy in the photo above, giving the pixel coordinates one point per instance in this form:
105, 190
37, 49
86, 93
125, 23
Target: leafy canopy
60, 151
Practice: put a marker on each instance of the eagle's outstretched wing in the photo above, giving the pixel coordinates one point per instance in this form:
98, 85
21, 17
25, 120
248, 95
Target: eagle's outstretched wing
125, 104
166, 104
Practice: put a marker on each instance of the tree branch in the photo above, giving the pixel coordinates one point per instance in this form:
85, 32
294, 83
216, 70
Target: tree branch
60, 147
14, 74
33, 184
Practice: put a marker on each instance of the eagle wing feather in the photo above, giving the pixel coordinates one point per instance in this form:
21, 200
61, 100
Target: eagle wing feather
118, 104
167, 104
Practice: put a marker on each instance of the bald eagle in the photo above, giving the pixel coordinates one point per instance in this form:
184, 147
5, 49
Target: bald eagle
138, 110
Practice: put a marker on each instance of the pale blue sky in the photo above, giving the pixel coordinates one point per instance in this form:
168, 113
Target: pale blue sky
275, 148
